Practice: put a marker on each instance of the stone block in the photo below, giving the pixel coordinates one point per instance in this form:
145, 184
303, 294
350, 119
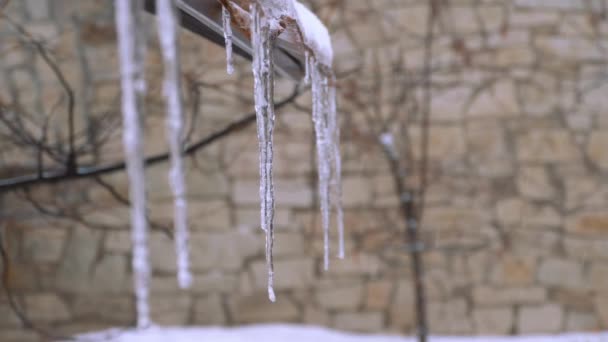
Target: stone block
561, 273
116, 309
209, 310
588, 224
315, 316
224, 251
110, 275
368, 322
256, 308
73, 274
493, 321
170, 309
356, 265
598, 277
289, 273
514, 270
450, 317
378, 294
44, 244
551, 146
534, 183
46, 307
356, 191
581, 321
340, 297
546, 319
118, 241
491, 296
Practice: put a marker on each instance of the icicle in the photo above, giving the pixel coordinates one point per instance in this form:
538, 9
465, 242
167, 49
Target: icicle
131, 44
263, 72
307, 66
167, 33
336, 183
319, 115
228, 40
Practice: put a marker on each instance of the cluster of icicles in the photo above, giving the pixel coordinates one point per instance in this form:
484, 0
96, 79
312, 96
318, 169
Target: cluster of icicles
264, 16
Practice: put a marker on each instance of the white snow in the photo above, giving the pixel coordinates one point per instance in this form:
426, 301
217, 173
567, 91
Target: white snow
131, 45
167, 33
301, 333
316, 35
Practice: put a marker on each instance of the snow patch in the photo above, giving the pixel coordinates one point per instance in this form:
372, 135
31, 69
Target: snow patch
301, 333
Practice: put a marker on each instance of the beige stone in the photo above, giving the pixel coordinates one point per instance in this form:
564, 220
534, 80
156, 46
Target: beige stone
112, 308
118, 241
534, 183
402, 311
598, 277
546, 318
110, 275
214, 282
289, 273
170, 309
226, 251
46, 307
378, 294
315, 316
356, 191
601, 308
79, 256
498, 100
257, 308
356, 265
340, 297
209, 311
596, 148
514, 270
485, 295
44, 244
359, 321
546, 146
493, 321
581, 321
561, 273
589, 224
450, 317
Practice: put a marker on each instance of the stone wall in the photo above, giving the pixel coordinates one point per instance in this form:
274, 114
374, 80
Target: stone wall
515, 209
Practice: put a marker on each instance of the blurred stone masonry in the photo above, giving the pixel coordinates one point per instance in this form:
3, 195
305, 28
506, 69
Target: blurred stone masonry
519, 155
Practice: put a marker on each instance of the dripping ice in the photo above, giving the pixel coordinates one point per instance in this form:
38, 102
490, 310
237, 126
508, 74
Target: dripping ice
263, 72
318, 59
167, 33
131, 46
228, 40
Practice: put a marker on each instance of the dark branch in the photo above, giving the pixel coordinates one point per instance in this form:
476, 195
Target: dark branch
57, 176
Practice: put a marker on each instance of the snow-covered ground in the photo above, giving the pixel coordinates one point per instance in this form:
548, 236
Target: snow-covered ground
300, 333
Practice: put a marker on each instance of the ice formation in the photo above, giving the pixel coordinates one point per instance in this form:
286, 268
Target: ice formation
267, 23
167, 34
228, 40
262, 41
267, 20
131, 43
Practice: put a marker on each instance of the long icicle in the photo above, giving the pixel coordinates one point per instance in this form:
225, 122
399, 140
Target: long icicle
131, 44
336, 182
167, 33
263, 72
228, 40
319, 117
